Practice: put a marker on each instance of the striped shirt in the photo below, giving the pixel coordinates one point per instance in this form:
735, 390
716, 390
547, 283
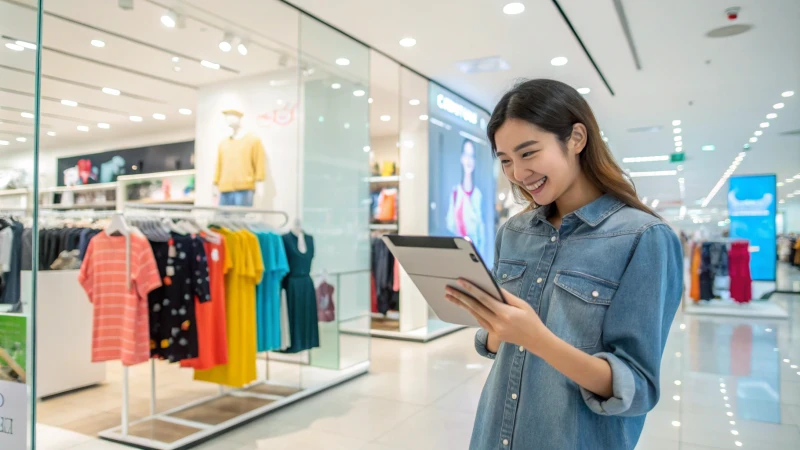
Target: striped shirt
120, 329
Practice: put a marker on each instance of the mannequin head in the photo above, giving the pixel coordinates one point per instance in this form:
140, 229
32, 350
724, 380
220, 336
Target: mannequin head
233, 118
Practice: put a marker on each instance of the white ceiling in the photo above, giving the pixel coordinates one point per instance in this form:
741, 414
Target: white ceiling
731, 94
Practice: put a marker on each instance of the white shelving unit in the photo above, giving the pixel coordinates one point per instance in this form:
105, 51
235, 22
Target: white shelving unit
15, 198
181, 179
47, 196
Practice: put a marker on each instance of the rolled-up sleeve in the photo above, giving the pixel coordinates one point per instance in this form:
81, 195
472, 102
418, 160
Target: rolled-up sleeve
482, 336
637, 323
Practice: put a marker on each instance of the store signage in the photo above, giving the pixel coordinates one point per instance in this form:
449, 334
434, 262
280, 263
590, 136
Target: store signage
457, 109
13, 389
752, 210
677, 157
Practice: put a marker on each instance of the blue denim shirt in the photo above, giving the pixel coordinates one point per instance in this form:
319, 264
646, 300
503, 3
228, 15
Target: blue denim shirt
609, 282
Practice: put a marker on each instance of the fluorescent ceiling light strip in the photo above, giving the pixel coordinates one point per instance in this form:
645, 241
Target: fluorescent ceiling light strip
646, 159
656, 173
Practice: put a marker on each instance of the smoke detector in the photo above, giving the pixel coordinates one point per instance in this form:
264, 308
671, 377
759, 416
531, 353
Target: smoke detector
733, 13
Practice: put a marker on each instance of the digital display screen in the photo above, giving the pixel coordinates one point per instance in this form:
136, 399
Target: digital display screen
752, 203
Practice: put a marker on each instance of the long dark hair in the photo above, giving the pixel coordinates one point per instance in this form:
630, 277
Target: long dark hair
556, 107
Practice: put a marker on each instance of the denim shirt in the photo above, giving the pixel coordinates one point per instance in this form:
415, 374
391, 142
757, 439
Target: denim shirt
608, 282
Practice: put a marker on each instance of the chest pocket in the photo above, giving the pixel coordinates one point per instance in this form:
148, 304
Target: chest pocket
578, 306
509, 275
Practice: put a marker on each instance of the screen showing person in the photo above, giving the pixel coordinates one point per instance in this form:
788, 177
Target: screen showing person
464, 215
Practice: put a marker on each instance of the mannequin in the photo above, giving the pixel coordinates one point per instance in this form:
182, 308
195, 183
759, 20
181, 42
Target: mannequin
297, 230
240, 163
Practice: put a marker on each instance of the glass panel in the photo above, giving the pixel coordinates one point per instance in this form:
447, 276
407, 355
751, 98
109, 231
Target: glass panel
334, 188
19, 125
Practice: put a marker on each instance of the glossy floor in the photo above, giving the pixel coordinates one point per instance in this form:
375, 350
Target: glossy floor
727, 383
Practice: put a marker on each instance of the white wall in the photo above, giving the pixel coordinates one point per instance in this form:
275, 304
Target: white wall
791, 218
271, 113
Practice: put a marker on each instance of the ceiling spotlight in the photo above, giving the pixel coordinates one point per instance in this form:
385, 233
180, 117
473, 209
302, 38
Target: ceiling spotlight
226, 43
22, 139
366, 149
677, 138
675, 123
69, 103
177, 68
758, 133
30, 46
111, 91
135, 118
423, 117
185, 111
209, 64
104, 126
386, 118
408, 42
514, 8
778, 105
51, 133
764, 124
176, 59
15, 47
753, 139
369, 100
336, 86
678, 143
584, 90
359, 93
169, 18
676, 130
780, 184
98, 43
26, 115
772, 116
83, 128
413, 102
783, 94
678, 149
159, 116
746, 146
242, 48
3, 142
342, 62
559, 61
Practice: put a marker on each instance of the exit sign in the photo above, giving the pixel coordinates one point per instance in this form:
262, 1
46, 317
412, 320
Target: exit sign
677, 157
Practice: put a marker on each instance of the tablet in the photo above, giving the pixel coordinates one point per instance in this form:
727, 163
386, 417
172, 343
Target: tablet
434, 263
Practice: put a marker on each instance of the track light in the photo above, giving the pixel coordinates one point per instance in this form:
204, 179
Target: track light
226, 44
169, 18
242, 48
125, 5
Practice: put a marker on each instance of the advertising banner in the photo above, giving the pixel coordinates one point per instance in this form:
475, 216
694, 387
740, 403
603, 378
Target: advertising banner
13, 389
752, 202
462, 181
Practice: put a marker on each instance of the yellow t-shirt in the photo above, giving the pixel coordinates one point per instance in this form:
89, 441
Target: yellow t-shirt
240, 163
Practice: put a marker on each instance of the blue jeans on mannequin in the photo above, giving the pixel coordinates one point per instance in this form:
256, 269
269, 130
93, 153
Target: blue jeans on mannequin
236, 198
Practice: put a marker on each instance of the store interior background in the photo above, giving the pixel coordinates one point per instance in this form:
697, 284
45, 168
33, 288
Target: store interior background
323, 140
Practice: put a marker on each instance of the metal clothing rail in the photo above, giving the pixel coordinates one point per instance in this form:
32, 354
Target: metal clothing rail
220, 209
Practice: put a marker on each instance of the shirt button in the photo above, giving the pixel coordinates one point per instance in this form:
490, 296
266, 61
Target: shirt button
553, 239
505, 275
595, 294
513, 396
539, 281
521, 349
505, 442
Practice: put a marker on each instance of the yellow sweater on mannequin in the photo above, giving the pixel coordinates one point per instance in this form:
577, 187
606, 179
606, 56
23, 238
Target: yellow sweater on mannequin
240, 164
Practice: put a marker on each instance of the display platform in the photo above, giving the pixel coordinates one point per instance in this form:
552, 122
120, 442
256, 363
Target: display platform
753, 310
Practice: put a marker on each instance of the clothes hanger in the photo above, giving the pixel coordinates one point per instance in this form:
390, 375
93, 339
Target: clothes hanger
118, 226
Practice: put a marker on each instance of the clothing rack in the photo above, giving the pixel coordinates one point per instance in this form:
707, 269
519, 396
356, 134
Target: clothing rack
217, 209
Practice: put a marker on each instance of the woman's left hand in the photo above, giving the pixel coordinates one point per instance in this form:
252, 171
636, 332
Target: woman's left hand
514, 322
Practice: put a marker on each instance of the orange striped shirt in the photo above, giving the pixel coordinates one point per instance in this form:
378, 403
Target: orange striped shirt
120, 329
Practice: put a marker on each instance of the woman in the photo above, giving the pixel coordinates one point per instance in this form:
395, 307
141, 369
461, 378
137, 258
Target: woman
464, 215
591, 279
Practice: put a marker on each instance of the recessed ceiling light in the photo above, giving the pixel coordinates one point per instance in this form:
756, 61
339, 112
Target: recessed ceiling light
15, 47
677, 138
413, 102
758, 133
83, 128
98, 43
708, 148
408, 42
783, 94
386, 118
51, 133
680, 168
336, 86
342, 62
678, 143
177, 68
764, 124
778, 105
30, 46
104, 126
369, 100
347, 125
367, 149
135, 118
584, 90
22, 139
4, 142
423, 117
185, 111
69, 103
514, 8
772, 116
169, 19
780, 184
676, 130
359, 93
209, 64
675, 123
159, 116
783, 201
746, 146
225, 46
753, 139
176, 59
678, 149
111, 91
559, 61
26, 115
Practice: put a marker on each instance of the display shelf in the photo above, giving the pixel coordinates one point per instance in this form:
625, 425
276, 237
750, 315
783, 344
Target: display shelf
155, 176
174, 201
384, 226
13, 192
79, 188
95, 205
389, 179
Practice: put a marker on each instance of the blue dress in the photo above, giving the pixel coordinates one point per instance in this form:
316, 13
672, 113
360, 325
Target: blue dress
300, 295
268, 293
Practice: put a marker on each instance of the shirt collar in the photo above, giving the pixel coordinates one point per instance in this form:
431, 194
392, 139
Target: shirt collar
592, 214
